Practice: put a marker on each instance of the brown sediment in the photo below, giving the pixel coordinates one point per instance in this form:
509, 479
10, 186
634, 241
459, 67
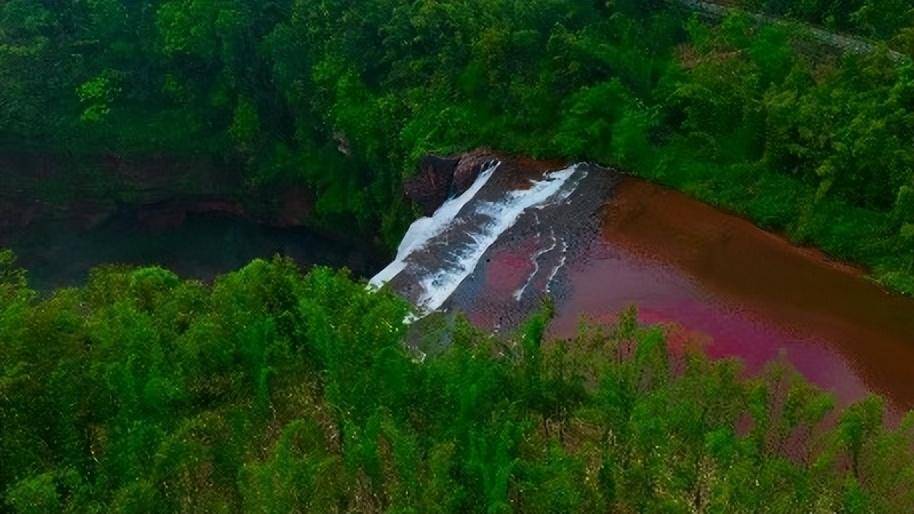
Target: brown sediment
755, 294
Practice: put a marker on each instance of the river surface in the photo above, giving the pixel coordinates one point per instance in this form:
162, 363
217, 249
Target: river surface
598, 242
201, 247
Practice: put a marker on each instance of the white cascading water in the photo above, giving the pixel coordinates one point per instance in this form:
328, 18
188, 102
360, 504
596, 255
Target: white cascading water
437, 285
535, 260
424, 229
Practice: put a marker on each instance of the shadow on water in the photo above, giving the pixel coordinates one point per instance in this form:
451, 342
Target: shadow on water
202, 247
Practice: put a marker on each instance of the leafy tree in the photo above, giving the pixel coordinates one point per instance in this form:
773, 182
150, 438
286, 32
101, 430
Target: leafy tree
274, 391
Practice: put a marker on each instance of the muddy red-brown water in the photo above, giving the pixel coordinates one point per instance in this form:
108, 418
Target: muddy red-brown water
751, 294
598, 242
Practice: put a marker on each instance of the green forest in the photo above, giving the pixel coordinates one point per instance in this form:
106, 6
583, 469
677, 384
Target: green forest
345, 97
891, 21
276, 390
273, 391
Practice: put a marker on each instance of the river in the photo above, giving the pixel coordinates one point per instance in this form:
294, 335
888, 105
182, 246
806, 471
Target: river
598, 242
592, 239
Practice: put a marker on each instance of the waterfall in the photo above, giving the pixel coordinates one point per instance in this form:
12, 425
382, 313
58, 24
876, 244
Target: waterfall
424, 229
439, 252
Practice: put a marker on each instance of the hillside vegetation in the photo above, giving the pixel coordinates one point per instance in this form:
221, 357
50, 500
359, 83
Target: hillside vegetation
346, 96
276, 391
273, 391
890, 21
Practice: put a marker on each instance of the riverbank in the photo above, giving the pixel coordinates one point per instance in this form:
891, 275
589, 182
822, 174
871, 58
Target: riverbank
777, 202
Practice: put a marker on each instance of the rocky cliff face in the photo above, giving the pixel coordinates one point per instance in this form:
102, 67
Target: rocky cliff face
469, 166
85, 191
440, 178
432, 185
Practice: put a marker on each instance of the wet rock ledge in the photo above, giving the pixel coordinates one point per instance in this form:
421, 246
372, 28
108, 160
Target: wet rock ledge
439, 178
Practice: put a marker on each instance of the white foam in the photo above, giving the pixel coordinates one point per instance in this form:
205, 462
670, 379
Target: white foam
424, 229
558, 267
519, 294
439, 286
565, 193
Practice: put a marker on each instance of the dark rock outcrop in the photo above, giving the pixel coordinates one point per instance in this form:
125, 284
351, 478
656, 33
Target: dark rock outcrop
173, 213
468, 169
432, 185
84, 191
440, 178
296, 206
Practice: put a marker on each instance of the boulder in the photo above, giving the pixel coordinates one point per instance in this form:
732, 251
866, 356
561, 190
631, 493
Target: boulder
432, 185
440, 178
469, 167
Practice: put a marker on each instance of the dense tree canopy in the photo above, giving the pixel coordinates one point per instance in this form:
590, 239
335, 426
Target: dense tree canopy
273, 391
344, 97
887, 20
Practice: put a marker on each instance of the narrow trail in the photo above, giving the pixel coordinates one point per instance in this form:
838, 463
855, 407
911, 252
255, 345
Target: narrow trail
841, 42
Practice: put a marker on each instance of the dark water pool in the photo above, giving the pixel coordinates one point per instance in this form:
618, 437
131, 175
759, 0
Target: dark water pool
201, 248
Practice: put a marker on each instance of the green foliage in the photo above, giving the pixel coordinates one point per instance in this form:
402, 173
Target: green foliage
35, 494
280, 89
272, 391
97, 94
245, 125
878, 19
